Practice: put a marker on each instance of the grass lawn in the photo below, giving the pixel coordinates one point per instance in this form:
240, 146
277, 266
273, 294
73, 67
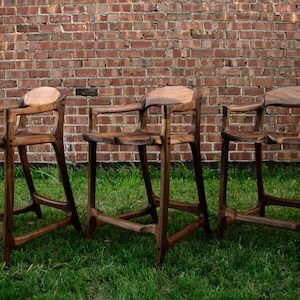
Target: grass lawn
251, 262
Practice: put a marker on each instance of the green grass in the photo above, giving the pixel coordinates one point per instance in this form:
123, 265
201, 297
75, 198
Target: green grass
251, 262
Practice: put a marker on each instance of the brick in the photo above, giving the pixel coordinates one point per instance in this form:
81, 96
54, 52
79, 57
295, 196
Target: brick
86, 92
27, 28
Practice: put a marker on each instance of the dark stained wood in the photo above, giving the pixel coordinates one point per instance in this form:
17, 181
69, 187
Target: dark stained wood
39, 102
170, 100
282, 97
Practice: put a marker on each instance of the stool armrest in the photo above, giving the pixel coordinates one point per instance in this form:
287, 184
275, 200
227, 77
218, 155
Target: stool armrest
257, 107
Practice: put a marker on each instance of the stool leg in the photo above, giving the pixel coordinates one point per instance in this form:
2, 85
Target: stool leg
223, 190
8, 239
161, 236
259, 178
61, 162
91, 220
195, 147
27, 173
147, 181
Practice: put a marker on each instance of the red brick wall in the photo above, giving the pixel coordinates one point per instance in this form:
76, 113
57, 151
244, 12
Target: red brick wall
111, 52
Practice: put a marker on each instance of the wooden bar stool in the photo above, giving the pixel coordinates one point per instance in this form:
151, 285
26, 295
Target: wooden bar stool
42, 103
173, 100
284, 101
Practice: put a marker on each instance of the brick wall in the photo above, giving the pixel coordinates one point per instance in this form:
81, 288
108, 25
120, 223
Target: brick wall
111, 52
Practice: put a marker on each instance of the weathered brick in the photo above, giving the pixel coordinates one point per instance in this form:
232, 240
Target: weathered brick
85, 92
